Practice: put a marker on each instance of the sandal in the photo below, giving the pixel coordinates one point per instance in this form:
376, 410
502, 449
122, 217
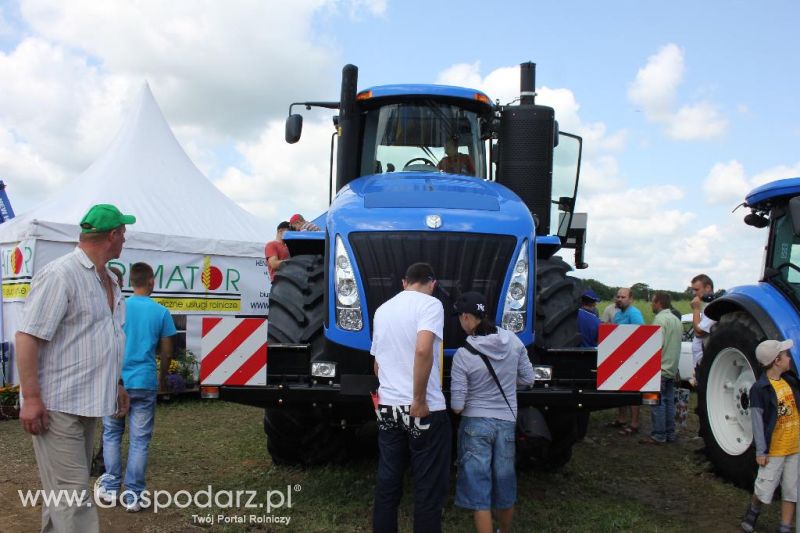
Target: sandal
615, 424
629, 430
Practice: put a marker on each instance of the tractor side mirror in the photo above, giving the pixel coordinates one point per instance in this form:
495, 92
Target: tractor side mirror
794, 211
294, 127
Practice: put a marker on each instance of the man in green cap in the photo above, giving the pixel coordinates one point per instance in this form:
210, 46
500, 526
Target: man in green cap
69, 350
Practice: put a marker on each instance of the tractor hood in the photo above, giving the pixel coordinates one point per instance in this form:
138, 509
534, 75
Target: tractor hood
401, 201
412, 190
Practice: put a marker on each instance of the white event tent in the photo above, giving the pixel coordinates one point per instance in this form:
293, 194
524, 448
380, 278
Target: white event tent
207, 252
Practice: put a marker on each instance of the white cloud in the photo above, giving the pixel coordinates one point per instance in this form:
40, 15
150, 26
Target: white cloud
59, 109
654, 90
282, 179
775, 173
599, 175
26, 173
223, 66
697, 121
461, 74
219, 72
728, 183
656, 83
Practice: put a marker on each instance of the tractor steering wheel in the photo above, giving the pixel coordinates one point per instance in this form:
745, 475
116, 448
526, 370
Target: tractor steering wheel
424, 161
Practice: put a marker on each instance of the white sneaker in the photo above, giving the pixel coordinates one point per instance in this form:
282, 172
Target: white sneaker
131, 504
100, 493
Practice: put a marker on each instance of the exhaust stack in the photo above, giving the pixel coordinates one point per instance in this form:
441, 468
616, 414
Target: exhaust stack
526, 140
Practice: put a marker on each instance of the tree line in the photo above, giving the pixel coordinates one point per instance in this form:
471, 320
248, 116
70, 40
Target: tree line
641, 291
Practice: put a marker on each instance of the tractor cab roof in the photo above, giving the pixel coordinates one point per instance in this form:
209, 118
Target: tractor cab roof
773, 190
422, 90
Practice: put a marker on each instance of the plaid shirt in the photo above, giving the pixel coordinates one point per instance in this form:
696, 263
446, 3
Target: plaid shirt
83, 341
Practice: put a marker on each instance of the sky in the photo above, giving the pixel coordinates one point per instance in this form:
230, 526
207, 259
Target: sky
683, 106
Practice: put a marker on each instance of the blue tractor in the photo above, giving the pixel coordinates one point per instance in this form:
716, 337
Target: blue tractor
443, 175
747, 315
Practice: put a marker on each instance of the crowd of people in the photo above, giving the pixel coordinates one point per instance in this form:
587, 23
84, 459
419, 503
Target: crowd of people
772, 399
84, 354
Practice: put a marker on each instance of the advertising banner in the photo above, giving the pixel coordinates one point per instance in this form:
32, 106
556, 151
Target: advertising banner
184, 283
17, 266
189, 284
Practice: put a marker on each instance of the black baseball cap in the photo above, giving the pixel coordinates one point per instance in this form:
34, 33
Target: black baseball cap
471, 302
284, 225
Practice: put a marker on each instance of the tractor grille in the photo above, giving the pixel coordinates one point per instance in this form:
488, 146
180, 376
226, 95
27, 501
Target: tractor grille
462, 262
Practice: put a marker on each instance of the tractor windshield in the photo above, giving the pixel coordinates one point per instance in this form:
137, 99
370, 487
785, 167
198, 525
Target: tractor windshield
786, 255
422, 136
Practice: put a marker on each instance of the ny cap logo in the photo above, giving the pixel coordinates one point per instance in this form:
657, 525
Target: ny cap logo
481, 307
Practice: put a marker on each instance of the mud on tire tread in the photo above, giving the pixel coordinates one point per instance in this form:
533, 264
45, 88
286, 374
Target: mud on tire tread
737, 330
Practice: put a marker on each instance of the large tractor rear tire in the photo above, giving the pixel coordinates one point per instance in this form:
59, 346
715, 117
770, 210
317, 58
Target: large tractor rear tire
727, 372
556, 326
298, 436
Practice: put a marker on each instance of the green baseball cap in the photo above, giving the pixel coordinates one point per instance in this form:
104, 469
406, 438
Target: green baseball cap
104, 217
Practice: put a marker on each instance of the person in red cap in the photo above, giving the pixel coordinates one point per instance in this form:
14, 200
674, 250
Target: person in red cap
298, 223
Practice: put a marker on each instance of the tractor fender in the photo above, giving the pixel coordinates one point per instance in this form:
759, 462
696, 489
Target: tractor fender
773, 313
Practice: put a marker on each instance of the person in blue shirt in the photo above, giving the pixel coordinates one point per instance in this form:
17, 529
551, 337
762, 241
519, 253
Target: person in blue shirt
149, 329
588, 320
627, 314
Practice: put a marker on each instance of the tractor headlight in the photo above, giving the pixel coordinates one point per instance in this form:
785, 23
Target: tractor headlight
348, 304
323, 369
542, 372
514, 313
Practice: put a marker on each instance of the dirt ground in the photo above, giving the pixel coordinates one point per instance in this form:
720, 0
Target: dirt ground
613, 483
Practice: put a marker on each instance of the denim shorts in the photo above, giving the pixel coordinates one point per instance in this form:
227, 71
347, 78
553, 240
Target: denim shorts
486, 477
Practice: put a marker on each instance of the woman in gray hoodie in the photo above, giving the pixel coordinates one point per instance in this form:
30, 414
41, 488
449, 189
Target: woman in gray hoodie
487, 482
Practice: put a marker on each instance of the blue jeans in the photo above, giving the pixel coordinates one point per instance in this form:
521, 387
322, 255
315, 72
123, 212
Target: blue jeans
663, 414
486, 476
426, 445
142, 416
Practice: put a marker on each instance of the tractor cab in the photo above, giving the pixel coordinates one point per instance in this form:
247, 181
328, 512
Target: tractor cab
777, 205
414, 129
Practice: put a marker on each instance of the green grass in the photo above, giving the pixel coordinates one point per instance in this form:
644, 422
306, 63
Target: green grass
611, 484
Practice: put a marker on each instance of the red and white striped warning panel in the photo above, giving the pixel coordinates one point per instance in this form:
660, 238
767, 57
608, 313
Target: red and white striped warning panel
629, 357
233, 351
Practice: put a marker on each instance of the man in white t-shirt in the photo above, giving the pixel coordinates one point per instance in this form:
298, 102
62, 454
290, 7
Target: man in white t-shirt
413, 424
702, 289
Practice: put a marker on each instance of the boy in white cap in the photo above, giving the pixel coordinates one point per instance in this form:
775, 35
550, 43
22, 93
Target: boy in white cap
776, 424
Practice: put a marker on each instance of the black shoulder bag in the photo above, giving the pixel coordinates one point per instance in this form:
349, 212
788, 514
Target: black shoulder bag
489, 367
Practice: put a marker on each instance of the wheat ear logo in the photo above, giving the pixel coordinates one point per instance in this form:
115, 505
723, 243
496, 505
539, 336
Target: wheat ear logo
211, 276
